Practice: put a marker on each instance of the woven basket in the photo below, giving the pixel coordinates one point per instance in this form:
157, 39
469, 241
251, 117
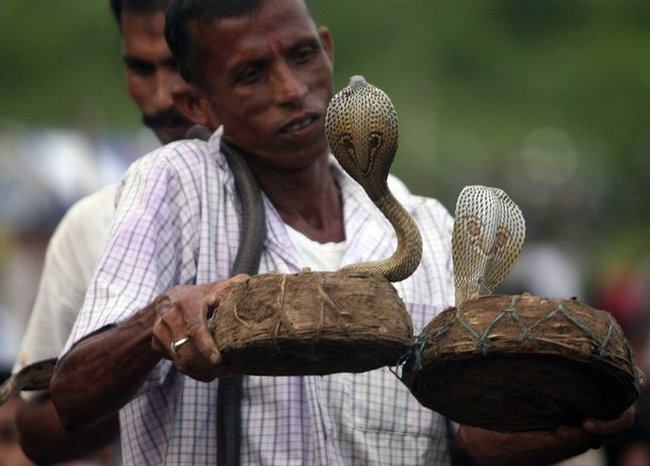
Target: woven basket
521, 363
312, 323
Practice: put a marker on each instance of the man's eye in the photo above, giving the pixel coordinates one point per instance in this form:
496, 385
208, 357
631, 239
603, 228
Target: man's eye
304, 53
249, 75
141, 68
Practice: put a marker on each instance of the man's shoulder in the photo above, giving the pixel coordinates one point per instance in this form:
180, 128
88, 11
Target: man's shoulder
90, 212
182, 173
186, 157
101, 199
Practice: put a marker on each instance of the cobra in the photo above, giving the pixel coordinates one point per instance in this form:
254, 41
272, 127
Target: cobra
361, 127
488, 234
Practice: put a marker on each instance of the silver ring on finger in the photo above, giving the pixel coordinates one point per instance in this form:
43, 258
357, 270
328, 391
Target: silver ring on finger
175, 345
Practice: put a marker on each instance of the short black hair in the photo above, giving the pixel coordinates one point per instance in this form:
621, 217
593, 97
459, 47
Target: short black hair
181, 14
145, 7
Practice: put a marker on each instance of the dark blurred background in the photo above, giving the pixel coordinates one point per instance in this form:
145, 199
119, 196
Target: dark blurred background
547, 99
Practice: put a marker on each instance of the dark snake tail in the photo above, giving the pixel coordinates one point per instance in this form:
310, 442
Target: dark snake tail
251, 239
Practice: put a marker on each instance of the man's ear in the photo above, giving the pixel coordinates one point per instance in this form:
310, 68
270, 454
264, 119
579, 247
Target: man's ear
192, 103
327, 41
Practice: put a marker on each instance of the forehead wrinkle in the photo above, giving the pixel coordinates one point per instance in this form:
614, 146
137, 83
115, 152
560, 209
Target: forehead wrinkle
268, 34
275, 44
242, 48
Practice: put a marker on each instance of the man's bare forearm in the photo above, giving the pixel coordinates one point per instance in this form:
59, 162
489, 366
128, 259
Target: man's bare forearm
489, 448
45, 441
103, 372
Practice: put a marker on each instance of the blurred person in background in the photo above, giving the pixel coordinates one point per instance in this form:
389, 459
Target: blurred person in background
625, 293
72, 253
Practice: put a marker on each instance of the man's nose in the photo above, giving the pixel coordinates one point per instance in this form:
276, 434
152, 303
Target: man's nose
288, 86
162, 96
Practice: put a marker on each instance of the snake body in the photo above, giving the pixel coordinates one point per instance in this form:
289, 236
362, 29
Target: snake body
35, 376
362, 127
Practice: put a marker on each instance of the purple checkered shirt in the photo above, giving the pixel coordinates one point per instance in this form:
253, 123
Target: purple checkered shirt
177, 222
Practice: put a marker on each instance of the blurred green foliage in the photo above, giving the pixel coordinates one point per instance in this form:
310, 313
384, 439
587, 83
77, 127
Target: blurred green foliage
548, 99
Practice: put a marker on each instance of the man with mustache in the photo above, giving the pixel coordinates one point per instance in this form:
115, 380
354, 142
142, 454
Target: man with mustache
165, 123
151, 76
142, 345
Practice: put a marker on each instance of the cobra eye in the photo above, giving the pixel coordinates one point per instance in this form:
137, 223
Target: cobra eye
374, 140
346, 141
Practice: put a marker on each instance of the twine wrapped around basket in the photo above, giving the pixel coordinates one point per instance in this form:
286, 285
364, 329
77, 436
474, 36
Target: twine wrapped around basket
312, 323
521, 362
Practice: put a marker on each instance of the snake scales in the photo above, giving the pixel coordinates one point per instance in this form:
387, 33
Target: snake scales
489, 231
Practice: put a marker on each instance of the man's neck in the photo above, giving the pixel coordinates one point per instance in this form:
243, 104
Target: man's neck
308, 200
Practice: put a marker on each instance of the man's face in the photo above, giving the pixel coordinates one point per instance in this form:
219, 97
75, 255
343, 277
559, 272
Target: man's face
151, 74
269, 80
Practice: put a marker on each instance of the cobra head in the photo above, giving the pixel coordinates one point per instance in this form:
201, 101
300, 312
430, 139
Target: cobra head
361, 127
488, 234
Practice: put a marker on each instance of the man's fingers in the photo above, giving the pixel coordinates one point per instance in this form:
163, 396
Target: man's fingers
182, 332
642, 377
239, 278
225, 285
613, 427
205, 344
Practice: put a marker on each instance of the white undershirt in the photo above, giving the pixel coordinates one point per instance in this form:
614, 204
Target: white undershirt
326, 257
319, 257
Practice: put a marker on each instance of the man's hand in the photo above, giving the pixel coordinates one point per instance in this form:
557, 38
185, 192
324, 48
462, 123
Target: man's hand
492, 448
102, 372
182, 318
595, 432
